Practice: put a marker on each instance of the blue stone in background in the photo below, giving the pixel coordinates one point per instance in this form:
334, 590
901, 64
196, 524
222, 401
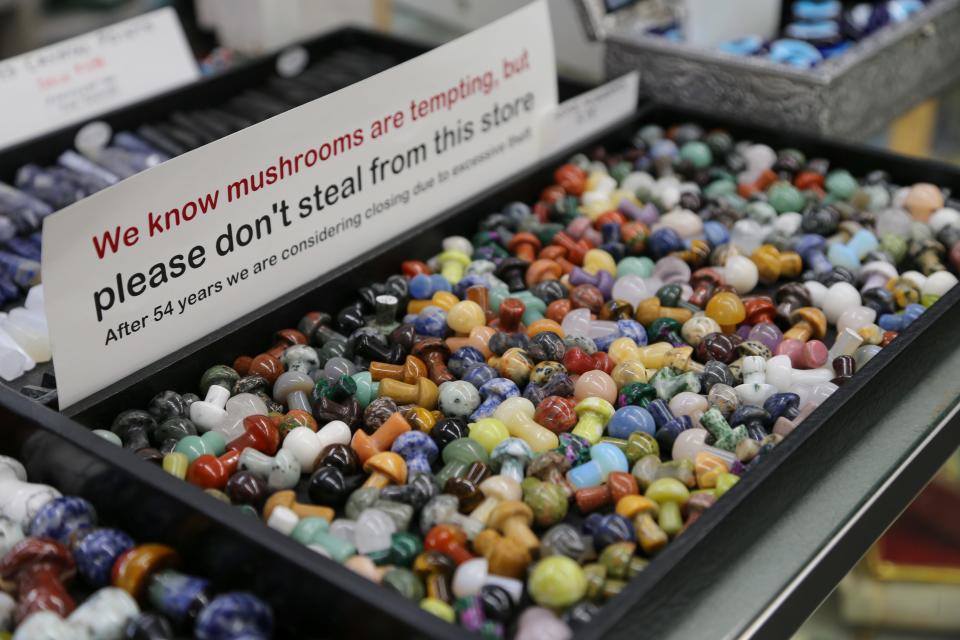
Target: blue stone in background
816, 9
628, 419
664, 241
608, 529
232, 616
178, 596
96, 551
819, 31
61, 518
440, 283
23, 248
795, 53
421, 287
418, 449
746, 46
432, 321
715, 233
480, 375
633, 330
665, 148
463, 359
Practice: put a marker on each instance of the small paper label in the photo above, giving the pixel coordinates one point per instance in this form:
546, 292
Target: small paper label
82, 77
167, 256
582, 117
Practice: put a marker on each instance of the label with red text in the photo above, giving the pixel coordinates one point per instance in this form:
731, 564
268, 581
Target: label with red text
168, 256
82, 77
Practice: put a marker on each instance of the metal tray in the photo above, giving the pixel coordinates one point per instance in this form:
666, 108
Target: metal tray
852, 95
322, 595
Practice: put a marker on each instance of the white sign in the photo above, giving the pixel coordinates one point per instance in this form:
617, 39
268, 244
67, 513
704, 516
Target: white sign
84, 76
583, 116
172, 254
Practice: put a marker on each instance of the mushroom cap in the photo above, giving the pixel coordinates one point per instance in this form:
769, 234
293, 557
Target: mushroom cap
427, 393
595, 405
290, 337
389, 464
289, 382
510, 265
510, 509
489, 432
796, 291
442, 536
749, 413
505, 556
464, 450
486, 540
759, 309
511, 448
814, 317
423, 348
878, 267
524, 237
501, 388
434, 562
32, 551
501, 488
300, 353
633, 505
546, 462
454, 256
514, 409
706, 275
133, 419
413, 368
415, 443
661, 328
439, 509
666, 490
132, 570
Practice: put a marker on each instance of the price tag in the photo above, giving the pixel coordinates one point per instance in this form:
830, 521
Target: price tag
581, 117
82, 77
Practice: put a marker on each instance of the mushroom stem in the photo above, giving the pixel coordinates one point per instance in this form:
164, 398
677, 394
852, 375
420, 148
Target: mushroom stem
484, 509
517, 529
377, 480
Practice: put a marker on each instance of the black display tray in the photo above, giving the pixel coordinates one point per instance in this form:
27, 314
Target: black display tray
316, 595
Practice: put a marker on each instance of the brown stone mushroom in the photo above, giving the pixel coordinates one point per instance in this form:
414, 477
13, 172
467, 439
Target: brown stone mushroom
288, 499
641, 511
695, 506
423, 393
808, 323
385, 468
285, 338
36, 568
496, 489
412, 369
551, 466
513, 519
434, 352
505, 556
466, 487
790, 297
435, 569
